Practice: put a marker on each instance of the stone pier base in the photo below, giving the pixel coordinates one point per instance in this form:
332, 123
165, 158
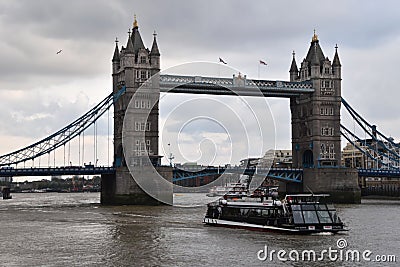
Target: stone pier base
121, 189
340, 183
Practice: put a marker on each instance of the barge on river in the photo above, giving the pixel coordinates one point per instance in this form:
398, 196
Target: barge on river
299, 213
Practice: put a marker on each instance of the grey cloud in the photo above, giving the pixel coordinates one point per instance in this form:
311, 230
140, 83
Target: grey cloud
31, 32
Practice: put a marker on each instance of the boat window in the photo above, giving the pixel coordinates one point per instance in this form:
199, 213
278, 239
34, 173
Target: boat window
297, 217
334, 216
321, 207
254, 212
278, 212
231, 212
265, 213
310, 216
308, 207
258, 211
244, 212
323, 216
296, 207
330, 207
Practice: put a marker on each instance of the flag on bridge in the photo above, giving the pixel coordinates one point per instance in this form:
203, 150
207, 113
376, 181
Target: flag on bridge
263, 63
221, 60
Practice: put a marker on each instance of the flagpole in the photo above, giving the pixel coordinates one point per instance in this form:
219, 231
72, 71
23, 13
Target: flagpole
259, 70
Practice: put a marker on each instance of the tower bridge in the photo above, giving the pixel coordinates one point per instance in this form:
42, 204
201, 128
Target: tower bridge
314, 91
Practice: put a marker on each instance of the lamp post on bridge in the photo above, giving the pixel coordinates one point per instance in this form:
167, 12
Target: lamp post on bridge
171, 157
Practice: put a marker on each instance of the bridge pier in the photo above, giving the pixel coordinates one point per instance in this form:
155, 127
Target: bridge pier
121, 189
288, 187
340, 183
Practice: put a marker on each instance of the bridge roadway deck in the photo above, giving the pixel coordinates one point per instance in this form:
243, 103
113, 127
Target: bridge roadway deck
379, 173
181, 174
48, 171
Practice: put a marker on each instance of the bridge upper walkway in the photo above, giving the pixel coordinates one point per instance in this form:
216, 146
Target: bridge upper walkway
233, 86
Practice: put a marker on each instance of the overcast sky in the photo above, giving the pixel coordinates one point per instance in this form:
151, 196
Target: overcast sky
41, 91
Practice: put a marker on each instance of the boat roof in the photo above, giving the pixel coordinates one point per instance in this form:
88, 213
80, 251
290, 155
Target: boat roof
308, 195
252, 204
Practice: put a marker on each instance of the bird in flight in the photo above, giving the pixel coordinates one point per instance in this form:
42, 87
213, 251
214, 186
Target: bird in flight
59, 52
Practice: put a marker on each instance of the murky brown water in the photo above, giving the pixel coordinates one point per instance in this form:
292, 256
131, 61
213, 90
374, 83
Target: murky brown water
53, 229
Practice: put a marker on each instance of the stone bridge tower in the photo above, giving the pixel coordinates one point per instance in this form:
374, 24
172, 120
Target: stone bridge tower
316, 117
132, 65
316, 144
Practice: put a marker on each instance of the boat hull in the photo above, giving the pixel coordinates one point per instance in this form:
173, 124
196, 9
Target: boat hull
266, 228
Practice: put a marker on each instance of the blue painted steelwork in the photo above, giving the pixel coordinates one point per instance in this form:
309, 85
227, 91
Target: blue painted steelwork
233, 86
71, 170
62, 136
286, 175
281, 174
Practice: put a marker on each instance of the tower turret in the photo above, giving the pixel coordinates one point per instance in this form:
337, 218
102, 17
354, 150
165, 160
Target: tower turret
116, 58
294, 71
315, 57
337, 67
155, 53
129, 44
136, 38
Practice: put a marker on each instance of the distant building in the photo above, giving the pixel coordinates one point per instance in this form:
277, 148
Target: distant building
6, 179
56, 177
354, 158
249, 162
282, 158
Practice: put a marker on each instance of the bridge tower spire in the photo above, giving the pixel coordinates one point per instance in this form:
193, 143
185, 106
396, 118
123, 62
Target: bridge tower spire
294, 71
132, 66
316, 143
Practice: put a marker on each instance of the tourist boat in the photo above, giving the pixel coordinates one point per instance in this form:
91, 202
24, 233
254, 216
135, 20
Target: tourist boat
299, 213
239, 189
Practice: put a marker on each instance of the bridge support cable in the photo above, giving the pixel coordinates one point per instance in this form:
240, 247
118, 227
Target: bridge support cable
94, 144
344, 132
79, 150
108, 137
377, 155
69, 153
61, 137
64, 154
370, 129
377, 151
384, 146
83, 147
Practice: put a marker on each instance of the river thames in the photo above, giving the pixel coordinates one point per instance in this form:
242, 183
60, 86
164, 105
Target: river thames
73, 229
